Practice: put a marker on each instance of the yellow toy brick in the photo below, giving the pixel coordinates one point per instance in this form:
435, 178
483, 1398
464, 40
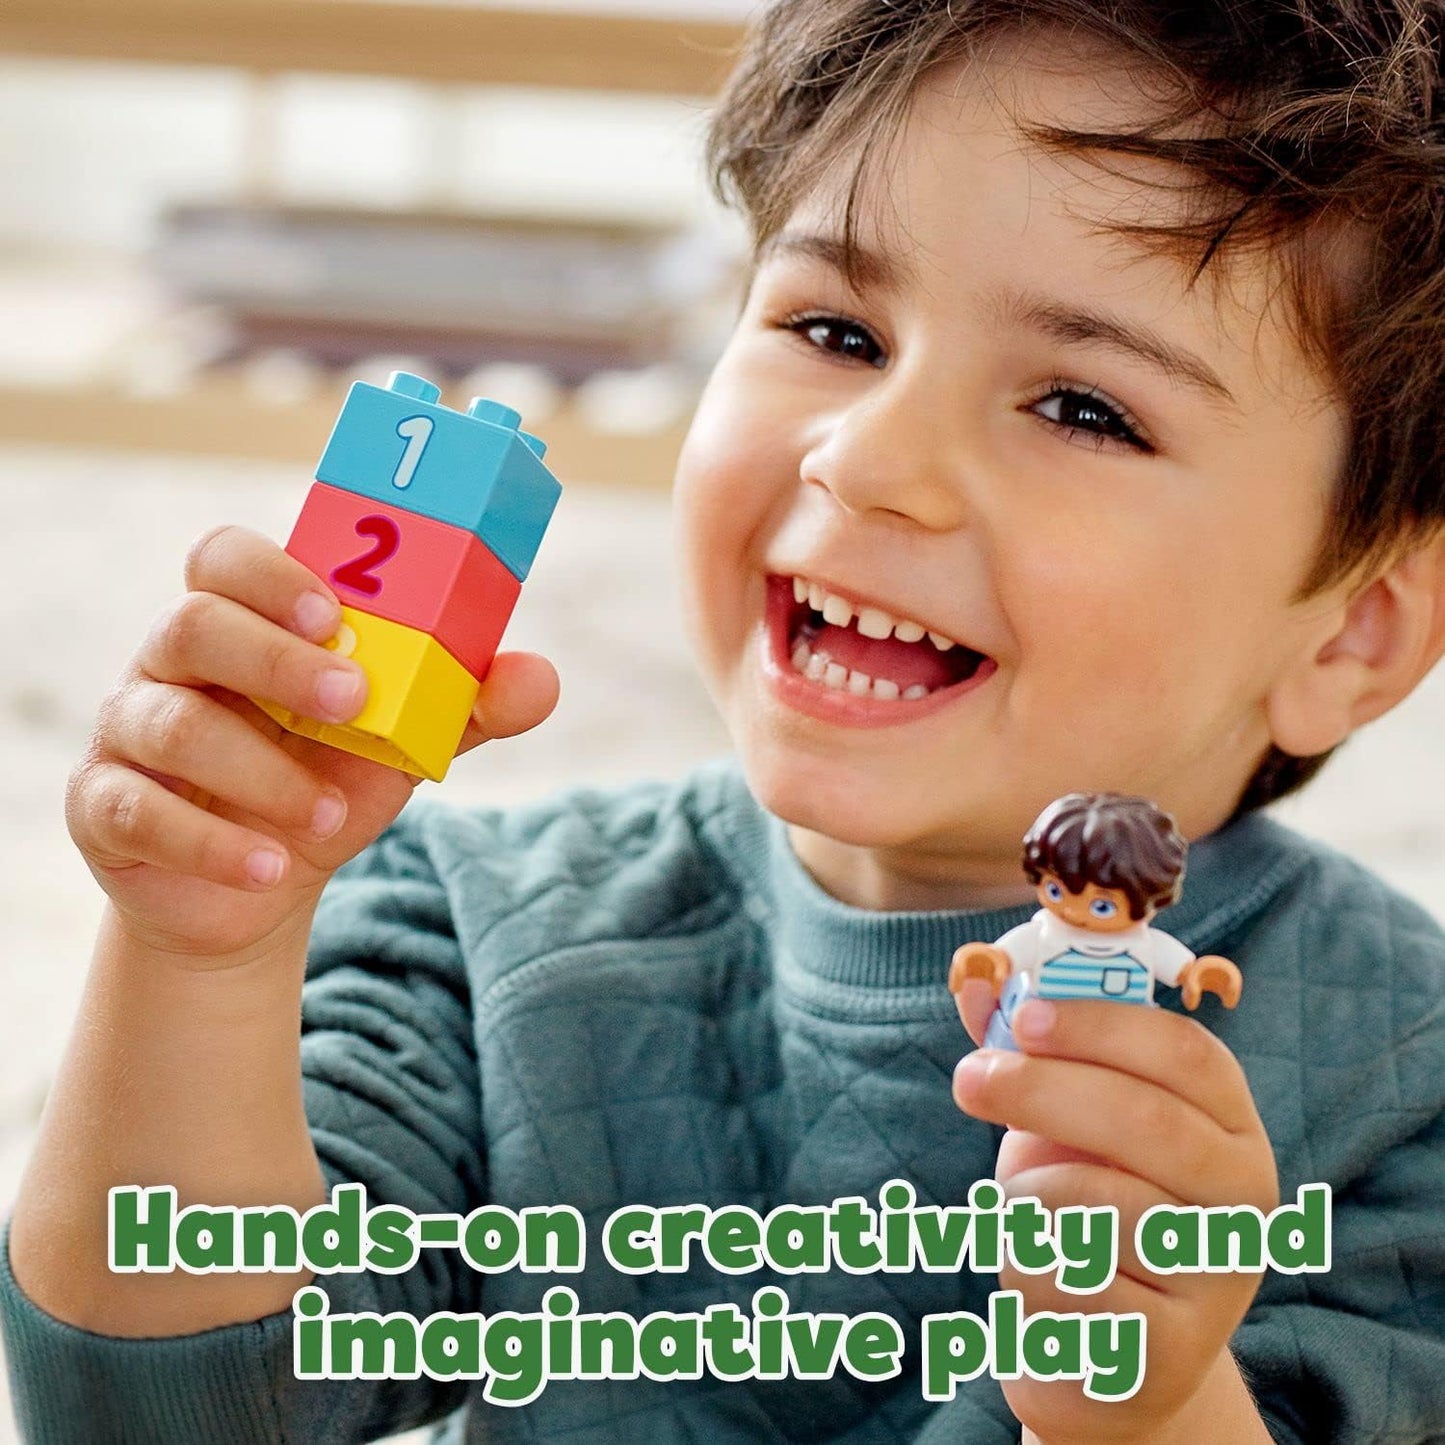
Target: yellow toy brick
419, 700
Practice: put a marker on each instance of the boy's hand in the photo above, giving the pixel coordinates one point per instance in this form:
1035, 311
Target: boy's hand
207, 823
1131, 1107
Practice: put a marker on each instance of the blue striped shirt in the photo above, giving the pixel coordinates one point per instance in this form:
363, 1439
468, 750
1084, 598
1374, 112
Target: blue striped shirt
1118, 976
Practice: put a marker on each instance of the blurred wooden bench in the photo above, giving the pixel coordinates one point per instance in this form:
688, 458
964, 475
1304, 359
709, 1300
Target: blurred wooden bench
477, 44
439, 44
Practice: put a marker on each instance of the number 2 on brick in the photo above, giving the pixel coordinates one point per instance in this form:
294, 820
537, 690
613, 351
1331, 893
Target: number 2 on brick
355, 575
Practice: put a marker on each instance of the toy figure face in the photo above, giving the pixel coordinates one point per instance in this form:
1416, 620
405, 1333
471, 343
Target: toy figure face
1031, 437
1100, 910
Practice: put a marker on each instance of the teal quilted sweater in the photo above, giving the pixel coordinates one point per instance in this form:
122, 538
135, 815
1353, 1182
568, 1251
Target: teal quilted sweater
639, 996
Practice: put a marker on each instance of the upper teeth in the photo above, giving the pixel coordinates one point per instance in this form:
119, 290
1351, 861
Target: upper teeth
872, 621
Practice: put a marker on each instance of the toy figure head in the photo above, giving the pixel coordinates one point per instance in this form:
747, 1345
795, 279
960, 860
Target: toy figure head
1095, 854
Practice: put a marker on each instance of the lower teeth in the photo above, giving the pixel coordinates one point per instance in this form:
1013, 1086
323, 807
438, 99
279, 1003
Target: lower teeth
836, 677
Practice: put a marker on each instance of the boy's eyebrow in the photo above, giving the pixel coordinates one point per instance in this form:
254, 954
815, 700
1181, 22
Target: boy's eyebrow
1062, 321
1068, 323
868, 268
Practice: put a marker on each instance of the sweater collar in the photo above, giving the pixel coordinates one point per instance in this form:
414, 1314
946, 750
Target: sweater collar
1232, 875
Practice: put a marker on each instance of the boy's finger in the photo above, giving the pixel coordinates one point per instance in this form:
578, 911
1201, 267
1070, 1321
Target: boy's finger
1070, 1185
1176, 1053
129, 818
975, 1003
1129, 1122
253, 570
519, 691
1019, 1151
187, 735
205, 639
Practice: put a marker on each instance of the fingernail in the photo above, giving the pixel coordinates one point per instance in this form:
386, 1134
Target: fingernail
265, 866
315, 615
337, 691
1034, 1019
330, 814
973, 1069
972, 1066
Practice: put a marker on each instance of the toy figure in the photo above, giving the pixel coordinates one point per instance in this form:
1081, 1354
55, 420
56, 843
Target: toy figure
1104, 865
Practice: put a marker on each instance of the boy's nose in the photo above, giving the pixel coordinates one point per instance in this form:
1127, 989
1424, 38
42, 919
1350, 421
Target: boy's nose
884, 453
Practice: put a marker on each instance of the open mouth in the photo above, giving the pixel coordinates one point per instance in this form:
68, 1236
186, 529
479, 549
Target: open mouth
864, 652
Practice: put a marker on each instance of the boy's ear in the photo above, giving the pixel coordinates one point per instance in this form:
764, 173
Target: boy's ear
1380, 642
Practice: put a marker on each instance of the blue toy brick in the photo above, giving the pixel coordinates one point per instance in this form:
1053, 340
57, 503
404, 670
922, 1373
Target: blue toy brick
474, 469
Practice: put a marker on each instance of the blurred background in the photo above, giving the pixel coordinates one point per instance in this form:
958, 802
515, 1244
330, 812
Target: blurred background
220, 214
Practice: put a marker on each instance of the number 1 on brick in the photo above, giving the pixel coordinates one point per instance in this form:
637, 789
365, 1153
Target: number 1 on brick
417, 430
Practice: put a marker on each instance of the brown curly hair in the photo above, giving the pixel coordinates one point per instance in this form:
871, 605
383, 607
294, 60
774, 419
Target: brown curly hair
1286, 117
1112, 840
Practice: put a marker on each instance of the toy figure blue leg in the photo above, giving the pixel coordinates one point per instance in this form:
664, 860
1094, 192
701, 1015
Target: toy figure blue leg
999, 1034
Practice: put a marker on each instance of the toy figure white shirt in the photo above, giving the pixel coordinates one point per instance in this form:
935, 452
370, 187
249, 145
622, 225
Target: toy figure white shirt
1062, 961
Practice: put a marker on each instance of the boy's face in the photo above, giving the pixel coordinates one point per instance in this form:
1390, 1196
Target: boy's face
1026, 434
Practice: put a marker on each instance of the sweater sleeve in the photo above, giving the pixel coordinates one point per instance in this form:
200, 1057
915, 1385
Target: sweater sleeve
390, 1083
1325, 1362
1347, 1061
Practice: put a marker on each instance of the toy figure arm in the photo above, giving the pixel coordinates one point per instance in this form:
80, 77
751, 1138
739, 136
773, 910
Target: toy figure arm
996, 961
1210, 974
1175, 965
979, 960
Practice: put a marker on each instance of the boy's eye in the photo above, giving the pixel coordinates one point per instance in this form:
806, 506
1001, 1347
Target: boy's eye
1103, 908
839, 335
1077, 409
1054, 892
1072, 408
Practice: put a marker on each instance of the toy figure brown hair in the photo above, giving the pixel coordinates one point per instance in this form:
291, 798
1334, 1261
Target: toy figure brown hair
1112, 840
1292, 122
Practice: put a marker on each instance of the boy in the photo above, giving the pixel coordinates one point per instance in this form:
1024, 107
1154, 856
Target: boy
1080, 430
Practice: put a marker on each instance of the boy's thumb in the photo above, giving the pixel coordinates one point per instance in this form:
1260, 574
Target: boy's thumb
519, 691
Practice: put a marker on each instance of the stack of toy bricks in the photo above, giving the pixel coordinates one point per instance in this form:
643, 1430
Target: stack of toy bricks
424, 521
